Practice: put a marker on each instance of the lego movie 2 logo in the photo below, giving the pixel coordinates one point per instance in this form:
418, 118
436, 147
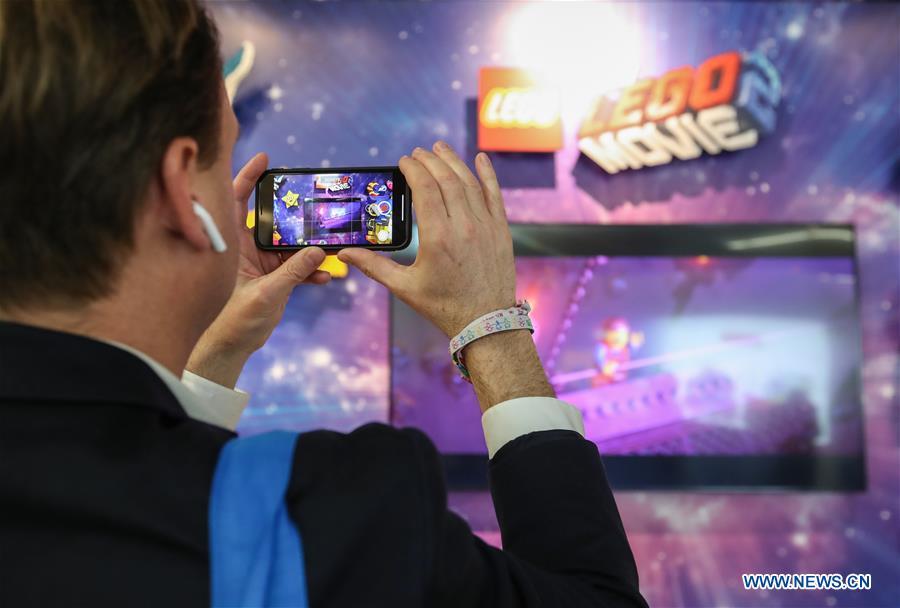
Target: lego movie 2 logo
725, 104
334, 184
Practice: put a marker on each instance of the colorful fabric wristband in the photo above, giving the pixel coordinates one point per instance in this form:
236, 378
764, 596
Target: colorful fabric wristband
494, 322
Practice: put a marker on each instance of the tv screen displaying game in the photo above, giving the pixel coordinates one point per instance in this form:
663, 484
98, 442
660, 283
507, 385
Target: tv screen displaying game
332, 209
675, 348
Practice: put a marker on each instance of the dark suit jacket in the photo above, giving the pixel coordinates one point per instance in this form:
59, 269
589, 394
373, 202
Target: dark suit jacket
104, 482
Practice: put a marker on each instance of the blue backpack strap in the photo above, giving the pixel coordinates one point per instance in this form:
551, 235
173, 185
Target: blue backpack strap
255, 553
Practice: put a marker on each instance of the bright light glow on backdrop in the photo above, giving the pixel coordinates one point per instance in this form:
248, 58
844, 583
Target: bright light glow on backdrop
583, 48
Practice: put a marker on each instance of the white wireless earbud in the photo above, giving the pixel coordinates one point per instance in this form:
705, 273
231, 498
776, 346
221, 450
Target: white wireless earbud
212, 231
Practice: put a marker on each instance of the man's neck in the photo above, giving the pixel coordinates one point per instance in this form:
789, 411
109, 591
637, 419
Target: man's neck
162, 337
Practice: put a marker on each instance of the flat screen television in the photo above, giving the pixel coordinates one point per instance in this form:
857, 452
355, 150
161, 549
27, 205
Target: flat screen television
700, 356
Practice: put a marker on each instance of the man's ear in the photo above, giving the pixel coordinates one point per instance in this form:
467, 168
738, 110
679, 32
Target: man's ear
178, 172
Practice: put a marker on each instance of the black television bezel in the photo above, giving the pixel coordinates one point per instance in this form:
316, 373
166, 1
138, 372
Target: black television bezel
782, 472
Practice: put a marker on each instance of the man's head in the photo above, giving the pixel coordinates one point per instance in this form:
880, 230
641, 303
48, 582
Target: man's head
113, 119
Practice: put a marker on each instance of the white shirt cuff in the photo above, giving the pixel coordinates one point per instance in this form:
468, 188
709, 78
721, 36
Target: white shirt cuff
213, 403
511, 419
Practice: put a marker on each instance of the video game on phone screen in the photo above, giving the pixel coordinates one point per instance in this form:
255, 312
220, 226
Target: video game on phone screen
333, 209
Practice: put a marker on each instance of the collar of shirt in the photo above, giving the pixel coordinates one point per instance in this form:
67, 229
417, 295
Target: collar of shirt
201, 399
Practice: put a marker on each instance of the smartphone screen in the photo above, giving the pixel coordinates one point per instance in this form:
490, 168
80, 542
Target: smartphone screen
334, 208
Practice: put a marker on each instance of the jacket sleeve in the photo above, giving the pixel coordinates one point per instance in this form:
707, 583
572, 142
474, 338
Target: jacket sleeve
372, 510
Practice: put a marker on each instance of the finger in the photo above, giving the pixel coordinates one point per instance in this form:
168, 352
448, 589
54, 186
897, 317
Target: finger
269, 261
491, 187
379, 268
294, 271
319, 277
471, 185
426, 197
247, 177
451, 188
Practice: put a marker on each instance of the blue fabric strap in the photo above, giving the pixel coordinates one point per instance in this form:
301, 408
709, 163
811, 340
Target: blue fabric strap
256, 557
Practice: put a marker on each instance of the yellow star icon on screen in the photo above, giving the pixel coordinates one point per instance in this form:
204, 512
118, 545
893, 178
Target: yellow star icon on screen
291, 199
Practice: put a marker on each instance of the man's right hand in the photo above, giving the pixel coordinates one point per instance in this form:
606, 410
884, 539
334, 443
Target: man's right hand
464, 267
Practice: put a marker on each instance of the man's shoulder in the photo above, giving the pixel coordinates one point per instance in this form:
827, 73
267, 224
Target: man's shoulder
371, 452
365, 504
383, 435
89, 489
375, 474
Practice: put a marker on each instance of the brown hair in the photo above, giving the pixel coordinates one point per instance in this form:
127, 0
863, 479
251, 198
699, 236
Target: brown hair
91, 95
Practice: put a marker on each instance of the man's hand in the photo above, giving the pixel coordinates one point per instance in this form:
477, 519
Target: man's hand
465, 265
263, 287
464, 269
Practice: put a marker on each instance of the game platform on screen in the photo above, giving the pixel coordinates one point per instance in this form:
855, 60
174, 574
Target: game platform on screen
332, 209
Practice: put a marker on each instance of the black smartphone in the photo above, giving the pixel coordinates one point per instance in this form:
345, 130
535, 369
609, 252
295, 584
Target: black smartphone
367, 207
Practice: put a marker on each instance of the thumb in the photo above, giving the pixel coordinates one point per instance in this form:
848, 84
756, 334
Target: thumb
376, 267
245, 181
294, 271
